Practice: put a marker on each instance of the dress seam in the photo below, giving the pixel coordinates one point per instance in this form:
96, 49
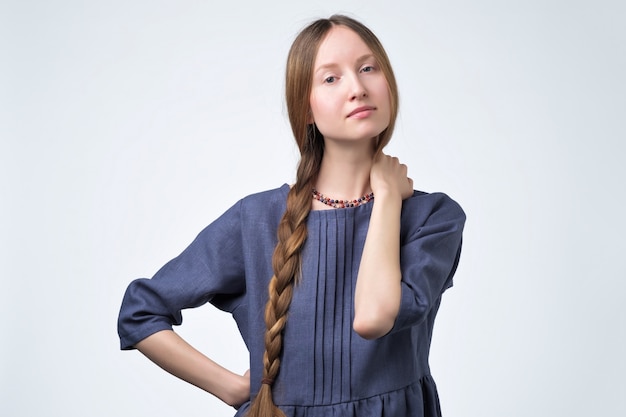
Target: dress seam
418, 381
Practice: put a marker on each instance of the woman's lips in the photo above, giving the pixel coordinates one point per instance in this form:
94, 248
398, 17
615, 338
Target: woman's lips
361, 112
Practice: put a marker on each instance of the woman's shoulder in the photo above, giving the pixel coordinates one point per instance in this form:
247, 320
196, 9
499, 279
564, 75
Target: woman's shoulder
423, 205
273, 200
435, 199
268, 196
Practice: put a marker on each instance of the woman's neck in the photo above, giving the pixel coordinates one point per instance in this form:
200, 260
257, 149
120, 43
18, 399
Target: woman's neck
345, 171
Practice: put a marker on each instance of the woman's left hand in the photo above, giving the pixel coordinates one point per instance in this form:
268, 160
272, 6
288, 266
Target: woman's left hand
388, 175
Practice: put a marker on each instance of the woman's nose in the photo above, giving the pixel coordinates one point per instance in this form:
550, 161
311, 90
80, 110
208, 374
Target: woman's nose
357, 89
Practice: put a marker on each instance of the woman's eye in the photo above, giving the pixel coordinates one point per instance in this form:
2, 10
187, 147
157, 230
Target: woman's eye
330, 80
367, 68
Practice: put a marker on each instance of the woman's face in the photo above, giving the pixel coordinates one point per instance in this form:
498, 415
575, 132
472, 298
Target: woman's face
349, 95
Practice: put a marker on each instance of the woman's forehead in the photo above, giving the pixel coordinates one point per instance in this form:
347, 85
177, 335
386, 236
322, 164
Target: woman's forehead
340, 44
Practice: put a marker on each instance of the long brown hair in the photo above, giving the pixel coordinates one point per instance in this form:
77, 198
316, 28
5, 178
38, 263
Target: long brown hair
292, 230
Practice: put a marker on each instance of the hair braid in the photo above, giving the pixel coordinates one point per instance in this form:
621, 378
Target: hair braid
292, 233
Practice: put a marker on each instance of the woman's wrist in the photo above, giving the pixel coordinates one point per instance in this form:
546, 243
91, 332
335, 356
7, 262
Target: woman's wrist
237, 390
388, 197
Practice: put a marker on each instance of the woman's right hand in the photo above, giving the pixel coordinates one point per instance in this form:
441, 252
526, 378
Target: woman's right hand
241, 392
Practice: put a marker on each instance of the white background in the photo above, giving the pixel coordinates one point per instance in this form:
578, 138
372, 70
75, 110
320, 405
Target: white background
127, 126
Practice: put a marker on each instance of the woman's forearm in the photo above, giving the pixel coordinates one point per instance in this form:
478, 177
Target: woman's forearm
168, 350
377, 293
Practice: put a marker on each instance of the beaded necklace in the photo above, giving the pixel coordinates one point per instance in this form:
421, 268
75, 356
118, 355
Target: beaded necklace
342, 203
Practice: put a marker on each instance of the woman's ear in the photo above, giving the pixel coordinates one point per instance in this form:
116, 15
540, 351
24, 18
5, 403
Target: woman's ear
309, 118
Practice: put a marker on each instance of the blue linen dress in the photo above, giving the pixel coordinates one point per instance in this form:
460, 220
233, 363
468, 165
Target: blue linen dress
326, 369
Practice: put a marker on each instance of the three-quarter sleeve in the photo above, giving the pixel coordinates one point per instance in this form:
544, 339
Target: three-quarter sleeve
210, 269
429, 256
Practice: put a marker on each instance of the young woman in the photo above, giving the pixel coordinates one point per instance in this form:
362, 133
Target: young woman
335, 298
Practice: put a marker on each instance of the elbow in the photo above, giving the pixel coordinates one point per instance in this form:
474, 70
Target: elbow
373, 324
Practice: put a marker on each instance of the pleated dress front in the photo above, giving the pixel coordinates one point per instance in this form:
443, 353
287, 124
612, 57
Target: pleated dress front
326, 368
